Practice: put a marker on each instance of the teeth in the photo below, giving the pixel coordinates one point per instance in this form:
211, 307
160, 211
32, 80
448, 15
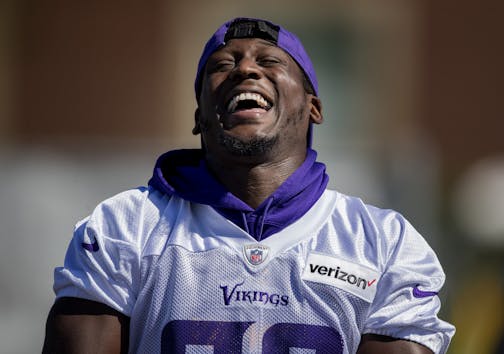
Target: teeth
246, 96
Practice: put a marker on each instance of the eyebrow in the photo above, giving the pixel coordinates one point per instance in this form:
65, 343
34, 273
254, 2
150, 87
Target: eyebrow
268, 43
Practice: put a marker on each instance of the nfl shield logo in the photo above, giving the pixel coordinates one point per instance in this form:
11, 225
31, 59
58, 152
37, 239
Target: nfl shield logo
255, 254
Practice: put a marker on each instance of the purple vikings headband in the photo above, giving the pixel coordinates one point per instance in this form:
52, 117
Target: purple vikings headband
256, 28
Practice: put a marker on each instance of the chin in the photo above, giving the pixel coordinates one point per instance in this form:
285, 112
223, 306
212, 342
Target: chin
257, 146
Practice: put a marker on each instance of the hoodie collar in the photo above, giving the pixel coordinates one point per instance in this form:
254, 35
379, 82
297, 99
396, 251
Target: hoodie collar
184, 173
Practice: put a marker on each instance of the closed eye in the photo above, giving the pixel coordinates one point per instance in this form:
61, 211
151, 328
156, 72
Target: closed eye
269, 61
221, 65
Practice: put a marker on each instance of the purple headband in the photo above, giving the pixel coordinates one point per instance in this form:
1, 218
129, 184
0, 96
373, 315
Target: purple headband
256, 28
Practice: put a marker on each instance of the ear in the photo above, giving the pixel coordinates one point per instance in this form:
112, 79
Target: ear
197, 129
316, 110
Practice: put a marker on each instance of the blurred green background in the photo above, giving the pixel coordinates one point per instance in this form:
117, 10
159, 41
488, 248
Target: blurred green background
91, 92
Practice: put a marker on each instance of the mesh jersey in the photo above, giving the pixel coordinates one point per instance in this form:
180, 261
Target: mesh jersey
194, 282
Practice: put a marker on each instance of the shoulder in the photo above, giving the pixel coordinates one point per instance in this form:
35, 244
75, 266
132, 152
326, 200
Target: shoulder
104, 258
356, 207
368, 218
130, 200
378, 230
128, 214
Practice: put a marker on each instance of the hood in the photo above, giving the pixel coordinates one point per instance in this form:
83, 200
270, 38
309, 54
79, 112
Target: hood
184, 173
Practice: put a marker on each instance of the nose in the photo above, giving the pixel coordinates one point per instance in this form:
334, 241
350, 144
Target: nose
246, 68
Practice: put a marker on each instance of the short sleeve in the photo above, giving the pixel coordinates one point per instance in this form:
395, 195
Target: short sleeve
102, 260
406, 305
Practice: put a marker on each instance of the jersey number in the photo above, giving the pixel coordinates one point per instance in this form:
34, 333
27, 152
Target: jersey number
227, 337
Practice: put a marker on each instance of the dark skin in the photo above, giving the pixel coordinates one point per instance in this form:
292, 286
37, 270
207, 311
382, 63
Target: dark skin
243, 65
83, 326
253, 65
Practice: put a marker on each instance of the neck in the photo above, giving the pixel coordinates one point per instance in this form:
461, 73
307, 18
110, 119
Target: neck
254, 183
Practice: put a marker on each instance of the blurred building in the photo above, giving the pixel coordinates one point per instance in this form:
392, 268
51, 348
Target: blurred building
91, 92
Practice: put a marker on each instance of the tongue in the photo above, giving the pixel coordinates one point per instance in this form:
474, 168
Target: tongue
249, 111
245, 116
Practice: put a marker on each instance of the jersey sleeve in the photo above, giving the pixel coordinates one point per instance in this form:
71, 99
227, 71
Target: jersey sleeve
406, 305
102, 262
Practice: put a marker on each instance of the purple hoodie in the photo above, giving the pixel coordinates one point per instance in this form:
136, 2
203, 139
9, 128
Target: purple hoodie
184, 173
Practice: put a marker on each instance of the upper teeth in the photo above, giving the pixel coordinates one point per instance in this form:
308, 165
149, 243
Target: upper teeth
246, 96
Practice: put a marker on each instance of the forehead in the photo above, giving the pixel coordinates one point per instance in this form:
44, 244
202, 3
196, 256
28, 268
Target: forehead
252, 45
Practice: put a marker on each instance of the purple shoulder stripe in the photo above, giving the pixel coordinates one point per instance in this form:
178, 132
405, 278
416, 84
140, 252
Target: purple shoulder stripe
91, 247
421, 293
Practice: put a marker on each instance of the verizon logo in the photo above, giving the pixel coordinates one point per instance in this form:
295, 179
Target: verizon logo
338, 273
354, 278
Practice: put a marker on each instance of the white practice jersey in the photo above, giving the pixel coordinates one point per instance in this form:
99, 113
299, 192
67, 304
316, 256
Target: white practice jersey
193, 282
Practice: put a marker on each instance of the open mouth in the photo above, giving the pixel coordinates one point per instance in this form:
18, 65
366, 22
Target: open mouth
246, 101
